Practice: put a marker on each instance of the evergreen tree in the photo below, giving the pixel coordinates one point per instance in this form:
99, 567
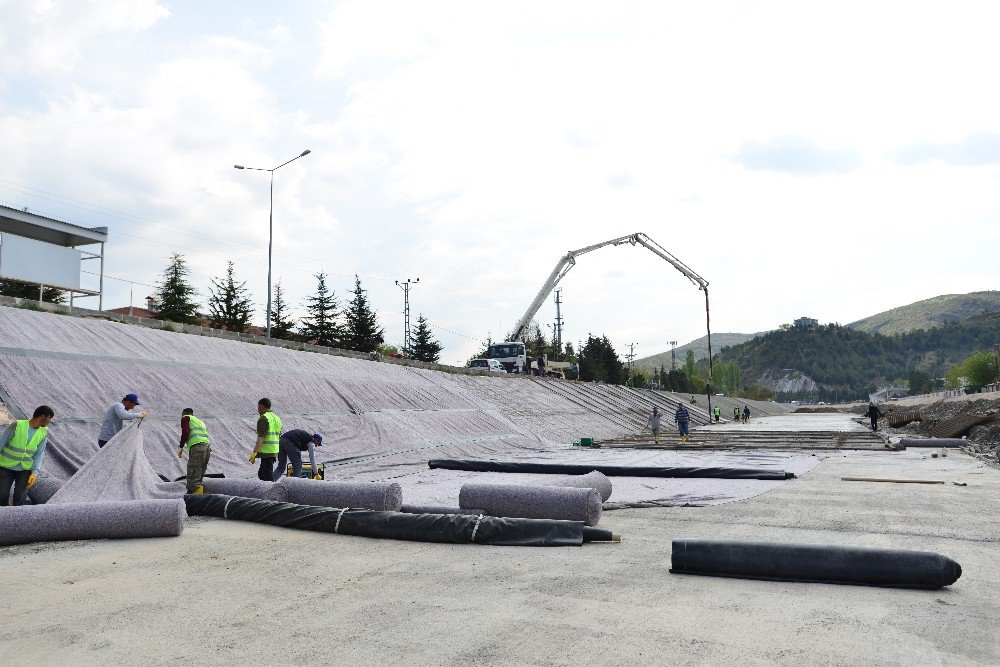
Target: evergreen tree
535, 342
175, 294
282, 326
423, 347
321, 325
29, 291
599, 362
361, 330
229, 303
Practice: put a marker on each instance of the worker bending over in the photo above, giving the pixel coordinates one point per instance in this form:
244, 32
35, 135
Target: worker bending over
653, 421
268, 434
194, 439
115, 417
290, 448
681, 418
24, 444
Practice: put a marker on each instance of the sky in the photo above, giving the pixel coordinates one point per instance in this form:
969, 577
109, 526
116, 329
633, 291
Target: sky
825, 160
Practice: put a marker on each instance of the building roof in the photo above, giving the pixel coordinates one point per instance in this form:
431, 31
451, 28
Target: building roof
49, 230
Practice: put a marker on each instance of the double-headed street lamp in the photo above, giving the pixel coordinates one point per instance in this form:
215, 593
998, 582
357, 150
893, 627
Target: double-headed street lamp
270, 228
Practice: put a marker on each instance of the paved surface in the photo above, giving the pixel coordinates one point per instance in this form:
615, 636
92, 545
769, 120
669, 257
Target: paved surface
234, 593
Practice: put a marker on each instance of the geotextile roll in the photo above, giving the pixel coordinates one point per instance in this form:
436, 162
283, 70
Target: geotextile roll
44, 489
610, 471
364, 495
91, 521
434, 509
933, 442
592, 480
833, 564
534, 502
446, 528
246, 488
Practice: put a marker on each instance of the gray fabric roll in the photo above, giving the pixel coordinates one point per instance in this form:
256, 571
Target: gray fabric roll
246, 488
534, 502
44, 489
434, 509
592, 480
933, 442
359, 495
91, 521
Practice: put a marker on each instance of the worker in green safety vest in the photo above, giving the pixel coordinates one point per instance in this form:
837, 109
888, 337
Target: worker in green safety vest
194, 440
736, 413
718, 413
268, 434
24, 444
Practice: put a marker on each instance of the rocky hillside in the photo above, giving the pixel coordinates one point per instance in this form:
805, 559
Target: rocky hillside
930, 313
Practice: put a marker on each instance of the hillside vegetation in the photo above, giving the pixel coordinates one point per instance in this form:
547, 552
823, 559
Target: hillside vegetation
699, 346
930, 313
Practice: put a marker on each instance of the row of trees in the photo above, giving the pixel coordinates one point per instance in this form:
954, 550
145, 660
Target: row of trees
230, 307
975, 372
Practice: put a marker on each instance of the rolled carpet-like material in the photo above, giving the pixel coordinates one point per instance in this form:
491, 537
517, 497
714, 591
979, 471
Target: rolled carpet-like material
246, 488
380, 496
434, 509
91, 521
933, 442
447, 528
610, 471
833, 564
592, 480
534, 502
44, 489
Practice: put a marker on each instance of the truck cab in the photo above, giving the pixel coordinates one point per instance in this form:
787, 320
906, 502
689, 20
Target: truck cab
511, 355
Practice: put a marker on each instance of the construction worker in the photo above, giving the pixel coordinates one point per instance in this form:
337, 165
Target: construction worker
268, 435
681, 418
653, 421
746, 414
290, 448
873, 414
736, 413
24, 444
194, 439
717, 411
115, 417
540, 363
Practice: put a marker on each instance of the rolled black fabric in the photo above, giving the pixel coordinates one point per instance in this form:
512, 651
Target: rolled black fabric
434, 509
834, 564
933, 442
448, 528
610, 471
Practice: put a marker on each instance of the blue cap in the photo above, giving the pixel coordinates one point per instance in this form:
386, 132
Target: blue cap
318, 438
132, 397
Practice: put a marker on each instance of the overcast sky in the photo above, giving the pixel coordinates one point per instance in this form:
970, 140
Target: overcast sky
824, 159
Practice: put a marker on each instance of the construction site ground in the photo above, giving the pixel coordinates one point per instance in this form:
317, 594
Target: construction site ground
226, 592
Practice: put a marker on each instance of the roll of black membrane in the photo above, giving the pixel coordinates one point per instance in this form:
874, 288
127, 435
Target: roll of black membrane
447, 528
816, 563
610, 471
933, 442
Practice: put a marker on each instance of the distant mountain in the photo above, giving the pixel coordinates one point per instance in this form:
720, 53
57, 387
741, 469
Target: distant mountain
700, 347
930, 313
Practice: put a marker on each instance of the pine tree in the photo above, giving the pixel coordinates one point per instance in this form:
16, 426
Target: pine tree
29, 291
423, 347
361, 329
175, 294
229, 303
281, 325
321, 325
535, 342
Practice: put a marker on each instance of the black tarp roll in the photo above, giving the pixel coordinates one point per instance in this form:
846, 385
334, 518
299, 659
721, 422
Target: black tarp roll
933, 442
610, 471
447, 528
817, 563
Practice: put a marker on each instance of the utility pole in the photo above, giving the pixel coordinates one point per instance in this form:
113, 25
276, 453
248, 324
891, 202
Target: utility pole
406, 313
559, 324
673, 359
631, 355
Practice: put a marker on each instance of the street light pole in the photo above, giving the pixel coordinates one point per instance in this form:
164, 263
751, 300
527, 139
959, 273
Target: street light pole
270, 227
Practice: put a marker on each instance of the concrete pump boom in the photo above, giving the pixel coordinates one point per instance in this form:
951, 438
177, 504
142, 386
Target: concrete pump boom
568, 261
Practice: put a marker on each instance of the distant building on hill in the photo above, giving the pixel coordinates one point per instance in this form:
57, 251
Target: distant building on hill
806, 323
148, 313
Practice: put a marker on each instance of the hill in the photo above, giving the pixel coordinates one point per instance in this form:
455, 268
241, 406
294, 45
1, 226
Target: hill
700, 347
930, 313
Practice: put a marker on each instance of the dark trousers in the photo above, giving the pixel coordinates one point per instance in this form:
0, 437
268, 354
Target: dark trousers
874, 423
19, 480
198, 457
266, 471
288, 452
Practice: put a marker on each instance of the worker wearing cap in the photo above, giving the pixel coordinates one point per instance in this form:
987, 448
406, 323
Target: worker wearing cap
195, 440
268, 435
653, 421
21, 454
290, 447
681, 418
116, 416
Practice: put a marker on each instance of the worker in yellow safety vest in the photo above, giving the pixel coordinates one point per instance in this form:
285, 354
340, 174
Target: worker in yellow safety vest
268, 434
194, 440
24, 444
